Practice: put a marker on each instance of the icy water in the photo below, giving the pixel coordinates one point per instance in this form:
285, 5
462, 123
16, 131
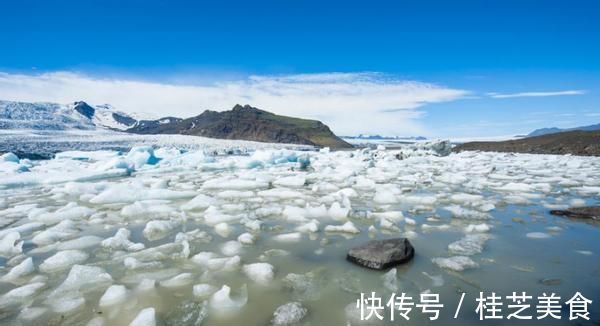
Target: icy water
198, 219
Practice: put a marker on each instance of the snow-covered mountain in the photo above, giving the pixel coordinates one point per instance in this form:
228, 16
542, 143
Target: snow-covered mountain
53, 116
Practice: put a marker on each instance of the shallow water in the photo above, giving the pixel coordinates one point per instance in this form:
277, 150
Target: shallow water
421, 187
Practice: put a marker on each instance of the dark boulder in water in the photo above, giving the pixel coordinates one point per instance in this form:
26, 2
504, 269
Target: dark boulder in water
382, 254
588, 212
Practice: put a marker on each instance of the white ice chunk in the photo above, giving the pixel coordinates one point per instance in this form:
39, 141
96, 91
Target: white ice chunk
222, 301
60, 231
469, 245
114, 295
280, 193
203, 290
141, 156
120, 241
178, 280
20, 294
347, 227
475, 228
212, 217
537, 235
62, 260
310, 227
231, 248
460, 212
132, 263
84, 242
202, 258
146, 317
83, 278
9, 157
68, 304
386, 224
246, 238
364, 183
262, 273
384, 197
224, 264
296, 181
337, 212
235, 194
390, 280
456, 263
234, 184
129, 193
395, 216
11, 245
158, 229
294, 214
288, 237
147, 208
146, 285
197, 203
223, 229
24, 268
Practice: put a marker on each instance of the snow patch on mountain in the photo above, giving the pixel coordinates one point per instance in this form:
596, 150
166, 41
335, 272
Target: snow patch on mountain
54, 116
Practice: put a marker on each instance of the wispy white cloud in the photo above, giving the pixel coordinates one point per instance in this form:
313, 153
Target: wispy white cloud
349, 103
537, 94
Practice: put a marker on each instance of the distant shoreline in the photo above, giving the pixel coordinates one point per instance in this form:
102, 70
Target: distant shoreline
582, 143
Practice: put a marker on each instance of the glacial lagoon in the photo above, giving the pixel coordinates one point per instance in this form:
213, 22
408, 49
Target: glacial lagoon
103, 237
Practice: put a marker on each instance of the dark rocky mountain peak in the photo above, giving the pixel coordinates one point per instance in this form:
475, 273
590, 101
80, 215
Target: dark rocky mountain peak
246, 123
84, 109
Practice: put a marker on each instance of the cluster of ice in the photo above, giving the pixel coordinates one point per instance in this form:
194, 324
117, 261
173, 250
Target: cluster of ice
120, 241
108, 229
10, 163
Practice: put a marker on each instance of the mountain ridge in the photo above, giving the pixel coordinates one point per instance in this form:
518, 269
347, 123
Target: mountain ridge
247, 123
241, 122
553, 130
576, 142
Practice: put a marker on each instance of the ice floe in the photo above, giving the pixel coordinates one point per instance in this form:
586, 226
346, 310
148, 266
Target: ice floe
114, 295
120, 241
456, 263
62, 260
24, 268
347, 227
261, 273
146, 317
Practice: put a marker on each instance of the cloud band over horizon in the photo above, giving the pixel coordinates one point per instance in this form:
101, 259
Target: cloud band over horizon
538, 94
350, 103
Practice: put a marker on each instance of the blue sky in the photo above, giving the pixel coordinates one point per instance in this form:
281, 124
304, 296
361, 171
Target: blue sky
421, 67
